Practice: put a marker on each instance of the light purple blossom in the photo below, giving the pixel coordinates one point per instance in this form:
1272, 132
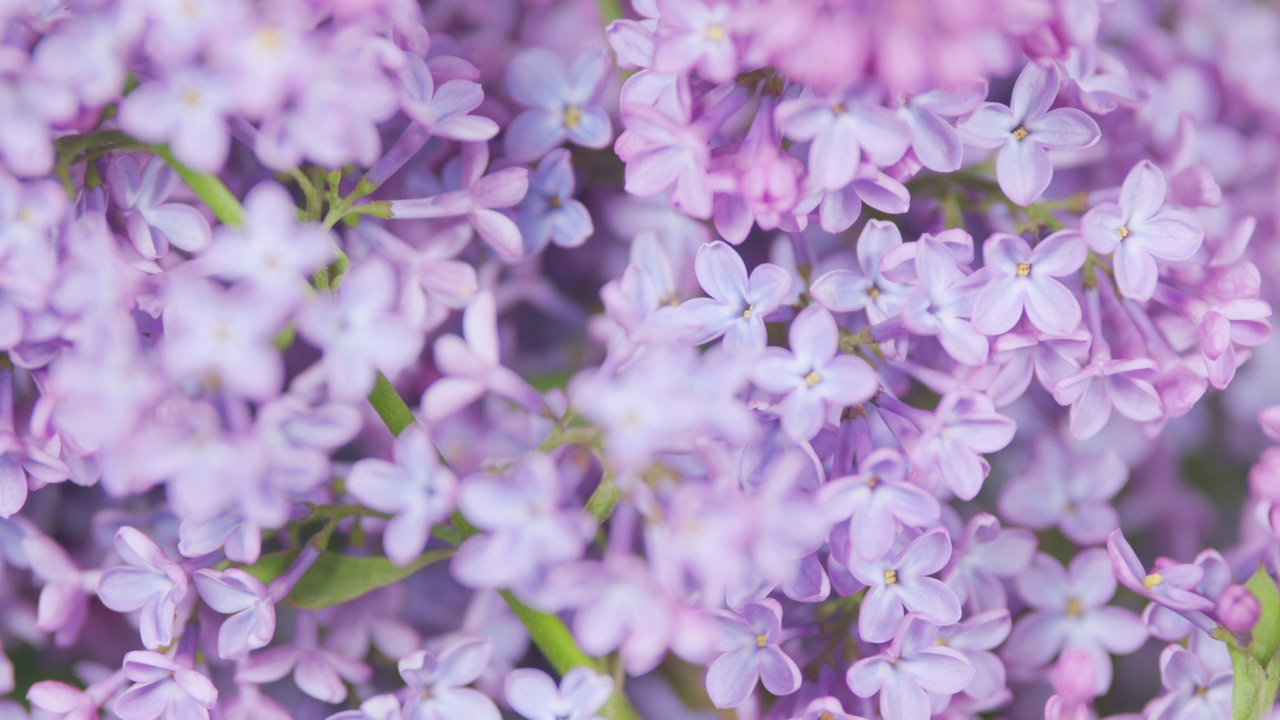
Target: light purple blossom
1103, 384
877, 502
549, 212
949, 450
1067, 489
934, 140
1025, 279
842, 129
983, 556
189, 110
438, 681
317, 671
696, 35
866, 287
901, 584
580, 696
564, 102
813, 377
975, 638
163, 689
1192, 691
1138, 233
941, 303
415, 489
1026, 130
443, 111
1169, 584
749, 642
152, 223
64, 601
151, 583
236, 593
909, 670
738, 303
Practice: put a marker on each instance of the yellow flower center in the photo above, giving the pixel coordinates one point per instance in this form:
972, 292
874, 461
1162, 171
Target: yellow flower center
1020, 133
1074, 608
824, 715
1024, 269
1122, 232
874, 481
762, 641
572, 116
873, 292
1152, 580
839, 108
747, 313
191, 97
813, 378
716, 33
553, 202
890, 577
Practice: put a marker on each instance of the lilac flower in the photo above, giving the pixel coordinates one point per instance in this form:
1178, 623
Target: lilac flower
152, 583
1069, 610
163, 688
1192, 690
550, 213
473, 367
236, 593
950, 448
63, 604
841, 129
751, 654
1067, 489
1171, 585
152, 223
1092, 392
317, 671
825, 708
274, 253
865, 288
478, 200
359, 331
934, 141
443, 111
526, 531
661, 153
378, 707
1169, 624
414, 488
223, 337
974, 638
982, 557
877, 501
1023, 278
189, 111
53, 700
695, 35
900, 585
439, 680
911, 668
564, 102
582, 693
1238, 608
1026, 130
812, 376
1138, 233
942, 303
738, 303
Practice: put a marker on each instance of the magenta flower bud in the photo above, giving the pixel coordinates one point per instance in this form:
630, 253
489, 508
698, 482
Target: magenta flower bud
1238, 608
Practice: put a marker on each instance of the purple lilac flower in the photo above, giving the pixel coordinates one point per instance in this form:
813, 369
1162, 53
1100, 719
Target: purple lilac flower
1171, 625
1025, 279
975, 638
695, 35
317, 671
188, 110
1069, 610
151, 583
749, 642
877, 502
580, 696
901, 584
1026, 130
64, 602
549, 212
911, 668
564, 102
949, 450
438, 681
443, 111
1171, 585
738, 303
982, 557
825, 708
934, 141
415, 489
812, 376
941, 303
152, 223
865, 288
1138, 233
163, 688
1192, 691
236, 593
1238, 608
1067, 489
224, 337
841, 129
1092, 392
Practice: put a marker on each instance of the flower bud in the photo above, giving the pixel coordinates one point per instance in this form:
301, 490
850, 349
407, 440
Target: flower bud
1238, 608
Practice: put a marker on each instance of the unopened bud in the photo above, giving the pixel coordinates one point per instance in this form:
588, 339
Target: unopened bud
1238, 608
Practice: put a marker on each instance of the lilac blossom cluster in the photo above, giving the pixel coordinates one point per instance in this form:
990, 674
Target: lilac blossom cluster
767, 359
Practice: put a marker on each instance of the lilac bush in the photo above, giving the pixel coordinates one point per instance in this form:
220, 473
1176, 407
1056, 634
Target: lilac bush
647, 360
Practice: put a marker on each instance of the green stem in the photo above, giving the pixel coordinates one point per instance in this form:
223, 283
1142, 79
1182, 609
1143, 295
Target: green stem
610, 10
208, 187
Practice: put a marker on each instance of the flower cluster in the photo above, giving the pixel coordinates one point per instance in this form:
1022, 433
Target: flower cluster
787, 359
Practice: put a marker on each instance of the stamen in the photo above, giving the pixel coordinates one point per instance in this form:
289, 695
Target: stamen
762, 641
875, 479
1122, 232
890, 577
1024, 269
554, 202
1020, 133
1152, 580
1074, 607
191, 97
572, 116
813, 378
716, 33
824, 715
839, 108
873, 292
747, 313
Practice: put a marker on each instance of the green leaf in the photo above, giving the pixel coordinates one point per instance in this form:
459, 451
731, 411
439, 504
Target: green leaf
336, 578
1266, 633
1248, 683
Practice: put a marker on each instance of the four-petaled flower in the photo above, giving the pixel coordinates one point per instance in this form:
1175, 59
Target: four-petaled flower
563, 101
1025, 278
911, 669
751, 654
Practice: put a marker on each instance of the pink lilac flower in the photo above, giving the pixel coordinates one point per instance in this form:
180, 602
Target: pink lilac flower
415, 489
901, 584
749, 642
1026, 130
564, 102
438, 681
1238, 608
1138, 233
580, 696
696, 35
738, 303
812, 376
151, 583
1025, 279
909, 670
